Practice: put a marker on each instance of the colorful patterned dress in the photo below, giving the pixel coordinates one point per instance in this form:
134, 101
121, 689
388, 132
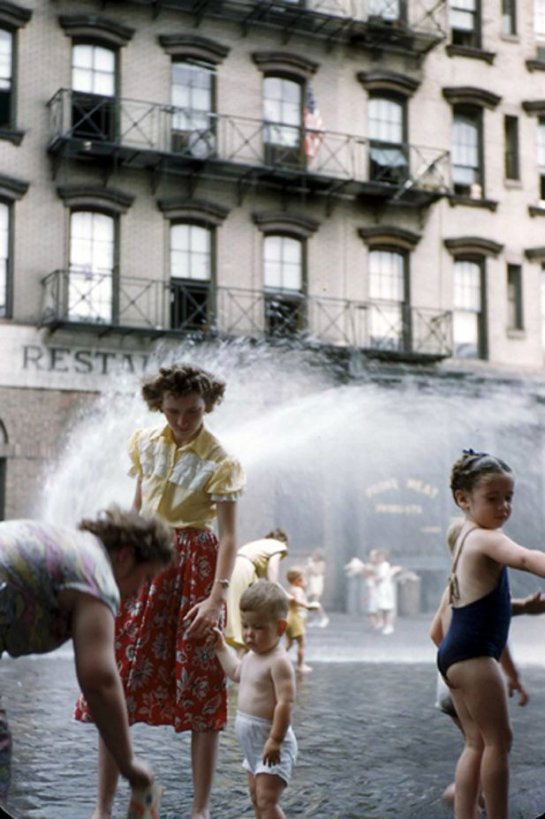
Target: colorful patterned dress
169, 679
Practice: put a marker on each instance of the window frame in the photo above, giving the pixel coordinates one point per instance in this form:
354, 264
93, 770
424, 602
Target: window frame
390, 174
403, 305
288, 305
113, 319
511, 148
277, 152
474, 115
509, 18
481, 314
7, 311
197, 142
185, 289
460, 36
515, 298
106, 116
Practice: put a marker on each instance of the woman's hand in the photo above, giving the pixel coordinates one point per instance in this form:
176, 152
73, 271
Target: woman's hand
202, 618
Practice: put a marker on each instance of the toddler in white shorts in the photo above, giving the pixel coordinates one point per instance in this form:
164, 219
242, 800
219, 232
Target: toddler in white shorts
251, 733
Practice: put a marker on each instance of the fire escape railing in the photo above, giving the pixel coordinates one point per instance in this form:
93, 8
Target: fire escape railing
144, 132
77, 297
333, 20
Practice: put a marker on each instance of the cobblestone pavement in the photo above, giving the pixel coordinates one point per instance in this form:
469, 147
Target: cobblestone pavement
372, 745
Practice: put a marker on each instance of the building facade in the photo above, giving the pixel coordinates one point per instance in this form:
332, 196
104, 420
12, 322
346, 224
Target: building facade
363, 177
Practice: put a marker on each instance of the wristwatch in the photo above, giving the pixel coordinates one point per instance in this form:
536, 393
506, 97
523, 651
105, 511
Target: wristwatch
223, 581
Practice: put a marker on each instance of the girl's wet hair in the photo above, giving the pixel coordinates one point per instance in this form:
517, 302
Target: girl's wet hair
472, 466
149, 537
266, 598
183, 379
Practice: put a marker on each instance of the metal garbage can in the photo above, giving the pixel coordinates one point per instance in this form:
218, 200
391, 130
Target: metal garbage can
409, 594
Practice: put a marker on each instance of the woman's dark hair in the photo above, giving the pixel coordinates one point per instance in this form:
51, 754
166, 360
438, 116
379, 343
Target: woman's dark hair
183, 379
472, 466
149, 537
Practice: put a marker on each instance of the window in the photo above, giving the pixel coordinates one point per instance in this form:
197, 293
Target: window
508, 17
514, 297
468, 309
388, 297
387, 150
190, 276
93, 92
283, 263
467, 152
384, 9
511, 142
282, 113
6, 78
4, 260
465, 23
3, 471
92, 267
539, 18
541, 156
193, 122
542, 287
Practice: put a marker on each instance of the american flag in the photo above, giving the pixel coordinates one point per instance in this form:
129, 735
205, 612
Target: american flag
314, 126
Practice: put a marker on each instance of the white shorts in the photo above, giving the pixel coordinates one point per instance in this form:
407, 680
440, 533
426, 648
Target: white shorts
252, 733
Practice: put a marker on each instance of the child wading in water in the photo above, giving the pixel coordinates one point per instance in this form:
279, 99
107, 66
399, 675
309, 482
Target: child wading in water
266, 696
299, 606
468, 656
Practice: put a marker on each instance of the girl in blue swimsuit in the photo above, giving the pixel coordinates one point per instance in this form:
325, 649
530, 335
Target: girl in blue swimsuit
482, 487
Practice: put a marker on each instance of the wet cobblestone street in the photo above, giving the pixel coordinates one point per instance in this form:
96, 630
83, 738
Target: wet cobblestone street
372, 745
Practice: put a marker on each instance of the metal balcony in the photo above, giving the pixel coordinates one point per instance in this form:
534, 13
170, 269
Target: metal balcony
79, 299
412, 27
138, 134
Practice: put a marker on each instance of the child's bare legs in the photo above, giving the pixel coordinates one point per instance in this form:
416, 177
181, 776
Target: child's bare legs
266, 791
108, 775
301, 666
481, 704
204, 755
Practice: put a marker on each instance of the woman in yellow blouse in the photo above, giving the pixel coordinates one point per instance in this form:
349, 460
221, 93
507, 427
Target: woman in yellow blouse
170, 673
256, 560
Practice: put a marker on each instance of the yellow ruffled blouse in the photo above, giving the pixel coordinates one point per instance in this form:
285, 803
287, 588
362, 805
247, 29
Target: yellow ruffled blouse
182, 484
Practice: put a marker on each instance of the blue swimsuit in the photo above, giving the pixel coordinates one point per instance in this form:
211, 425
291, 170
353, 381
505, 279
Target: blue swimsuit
479, 629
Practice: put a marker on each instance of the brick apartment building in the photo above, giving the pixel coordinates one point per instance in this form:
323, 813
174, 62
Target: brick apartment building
366, 177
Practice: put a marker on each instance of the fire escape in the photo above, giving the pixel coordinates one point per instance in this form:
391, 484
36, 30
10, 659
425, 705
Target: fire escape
114, 133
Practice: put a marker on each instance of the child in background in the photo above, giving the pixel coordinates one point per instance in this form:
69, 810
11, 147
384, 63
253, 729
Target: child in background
468, 656
266, 695
315, 575
297, 616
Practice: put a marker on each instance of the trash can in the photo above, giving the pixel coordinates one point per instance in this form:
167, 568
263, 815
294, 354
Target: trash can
409, 595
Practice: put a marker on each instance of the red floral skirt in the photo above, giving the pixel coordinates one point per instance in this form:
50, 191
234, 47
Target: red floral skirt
169, 679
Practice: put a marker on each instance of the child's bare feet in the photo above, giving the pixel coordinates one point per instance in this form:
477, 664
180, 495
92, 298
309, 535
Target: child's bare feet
448, 794
303, 669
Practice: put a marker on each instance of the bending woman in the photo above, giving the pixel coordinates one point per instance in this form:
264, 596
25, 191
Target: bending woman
57, 583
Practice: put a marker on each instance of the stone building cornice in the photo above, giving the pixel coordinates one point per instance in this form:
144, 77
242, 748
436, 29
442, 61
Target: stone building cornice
90, 26
471, 95
278, 222
192, 46
193, 210
383, 235
285, 62
473, 245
